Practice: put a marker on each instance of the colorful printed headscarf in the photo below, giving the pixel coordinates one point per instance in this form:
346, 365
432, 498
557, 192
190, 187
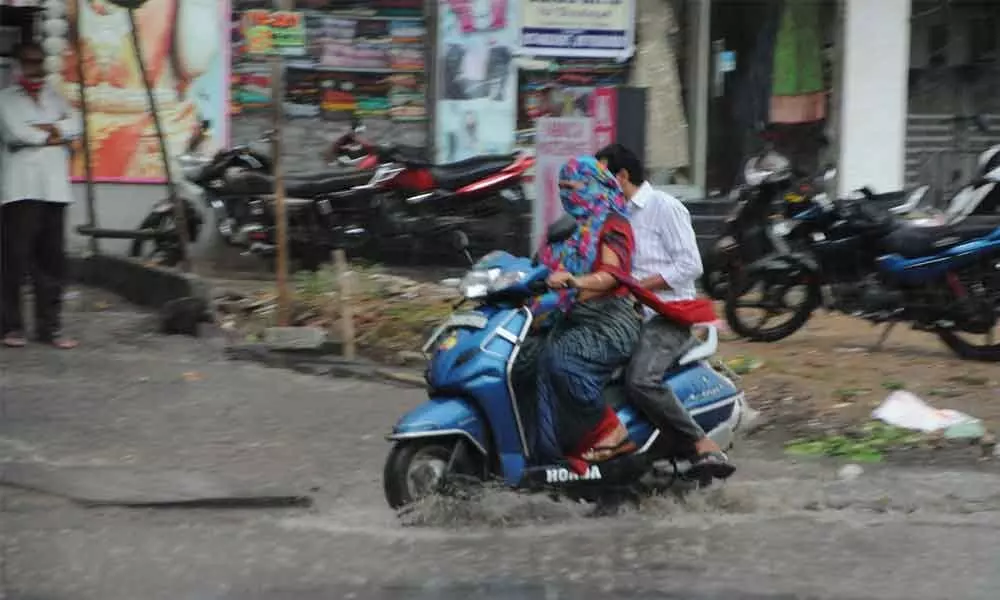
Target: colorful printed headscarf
591, 194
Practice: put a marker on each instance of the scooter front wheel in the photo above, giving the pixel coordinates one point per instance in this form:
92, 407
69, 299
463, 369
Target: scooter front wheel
416, 469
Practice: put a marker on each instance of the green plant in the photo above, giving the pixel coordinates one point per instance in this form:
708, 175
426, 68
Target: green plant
865, 445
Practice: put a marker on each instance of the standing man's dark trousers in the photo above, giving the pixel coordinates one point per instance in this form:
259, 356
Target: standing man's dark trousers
32, 236
660, 344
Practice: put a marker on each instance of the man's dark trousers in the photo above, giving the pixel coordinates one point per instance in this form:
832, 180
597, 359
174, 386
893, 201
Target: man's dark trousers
660, 344
32, 237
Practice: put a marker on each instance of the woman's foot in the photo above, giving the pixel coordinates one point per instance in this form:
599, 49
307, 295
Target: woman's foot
15, 340
614, 444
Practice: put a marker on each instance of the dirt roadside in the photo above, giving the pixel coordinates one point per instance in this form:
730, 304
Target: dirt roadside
828, 374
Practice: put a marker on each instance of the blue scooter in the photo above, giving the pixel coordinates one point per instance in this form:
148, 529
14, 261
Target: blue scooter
471, 426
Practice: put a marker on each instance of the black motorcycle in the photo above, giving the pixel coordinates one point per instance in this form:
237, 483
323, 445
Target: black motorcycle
852, 256
235, 185
217, 181
771, 189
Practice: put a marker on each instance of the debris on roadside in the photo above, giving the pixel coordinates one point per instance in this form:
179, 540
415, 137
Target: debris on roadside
906, 410
741, 365
392, 314
850, 472
866, 444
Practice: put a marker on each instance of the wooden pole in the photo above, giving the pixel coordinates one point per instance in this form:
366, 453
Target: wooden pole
180, 214
280, 213
345, 284
88, 159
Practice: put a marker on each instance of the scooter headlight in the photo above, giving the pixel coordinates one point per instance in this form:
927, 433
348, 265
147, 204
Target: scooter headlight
477, 284
506, 280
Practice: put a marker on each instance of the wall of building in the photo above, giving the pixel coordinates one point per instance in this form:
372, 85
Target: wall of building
874, 94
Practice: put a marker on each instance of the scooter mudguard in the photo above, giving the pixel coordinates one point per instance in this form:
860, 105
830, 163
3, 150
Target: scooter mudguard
443, 417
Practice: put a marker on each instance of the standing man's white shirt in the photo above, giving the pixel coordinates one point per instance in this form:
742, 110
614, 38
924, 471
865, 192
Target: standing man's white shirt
665, 243
35, 173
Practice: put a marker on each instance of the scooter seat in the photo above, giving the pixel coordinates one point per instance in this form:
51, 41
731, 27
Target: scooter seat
457, 175
916, 242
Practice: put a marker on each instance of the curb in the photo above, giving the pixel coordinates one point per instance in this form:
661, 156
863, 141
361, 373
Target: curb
181, 298
325, 365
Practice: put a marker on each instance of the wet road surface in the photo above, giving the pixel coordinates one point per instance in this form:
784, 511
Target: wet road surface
779, 530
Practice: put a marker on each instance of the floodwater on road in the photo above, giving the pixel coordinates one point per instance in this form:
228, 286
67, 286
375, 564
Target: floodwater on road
779, 529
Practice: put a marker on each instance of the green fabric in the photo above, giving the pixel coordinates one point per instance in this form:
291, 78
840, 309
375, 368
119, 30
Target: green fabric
798, 53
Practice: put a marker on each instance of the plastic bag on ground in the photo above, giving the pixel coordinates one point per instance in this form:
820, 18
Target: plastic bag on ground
906, 410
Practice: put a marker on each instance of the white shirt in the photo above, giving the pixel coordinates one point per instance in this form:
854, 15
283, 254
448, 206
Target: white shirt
665, 243
40, 173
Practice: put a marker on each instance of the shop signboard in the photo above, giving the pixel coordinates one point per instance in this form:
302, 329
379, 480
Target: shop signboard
557, 139
578, 28
281, 33
476, 111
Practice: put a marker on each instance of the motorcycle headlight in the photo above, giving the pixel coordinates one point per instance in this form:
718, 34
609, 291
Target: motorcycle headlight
193, 164
477, 284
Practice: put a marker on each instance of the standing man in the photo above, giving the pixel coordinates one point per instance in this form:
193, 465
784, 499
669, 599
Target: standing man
35, 125
666, 261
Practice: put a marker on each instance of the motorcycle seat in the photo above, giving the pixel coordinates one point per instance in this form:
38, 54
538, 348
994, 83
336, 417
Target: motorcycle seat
310, 188
252, 183
917, 242
453, 176
249, 183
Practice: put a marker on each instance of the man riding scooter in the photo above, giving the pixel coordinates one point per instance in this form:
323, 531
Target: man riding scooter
666, 261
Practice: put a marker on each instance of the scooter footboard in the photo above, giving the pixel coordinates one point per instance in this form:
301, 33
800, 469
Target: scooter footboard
444, 417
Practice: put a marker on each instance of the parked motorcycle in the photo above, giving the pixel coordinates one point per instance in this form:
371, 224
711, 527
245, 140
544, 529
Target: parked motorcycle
857, 259
471, 427
234, 183
405, 204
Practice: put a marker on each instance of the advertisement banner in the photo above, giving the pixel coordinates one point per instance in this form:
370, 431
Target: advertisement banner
557, 140
578, 28
477, 77
186, 50
274, 32
603, 108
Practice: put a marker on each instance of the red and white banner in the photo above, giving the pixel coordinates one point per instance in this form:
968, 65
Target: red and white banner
603, 108
557, 139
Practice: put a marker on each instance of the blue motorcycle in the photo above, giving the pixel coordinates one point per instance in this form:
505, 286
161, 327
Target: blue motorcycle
849, 256
472, 427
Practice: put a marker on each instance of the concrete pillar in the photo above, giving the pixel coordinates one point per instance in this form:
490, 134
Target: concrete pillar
876, 60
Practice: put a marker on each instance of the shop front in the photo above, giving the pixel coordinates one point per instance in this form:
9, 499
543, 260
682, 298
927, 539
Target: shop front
827, 79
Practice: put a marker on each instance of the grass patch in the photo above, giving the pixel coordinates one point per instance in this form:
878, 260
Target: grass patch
866, 444
741, 365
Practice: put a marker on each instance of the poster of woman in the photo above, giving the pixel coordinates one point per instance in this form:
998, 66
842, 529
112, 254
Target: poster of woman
185, 48
477, 112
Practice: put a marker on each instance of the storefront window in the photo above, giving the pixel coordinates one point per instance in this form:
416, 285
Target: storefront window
769, 68
362, 60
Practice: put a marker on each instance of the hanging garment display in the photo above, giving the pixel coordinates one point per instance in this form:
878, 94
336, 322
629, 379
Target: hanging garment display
797, 92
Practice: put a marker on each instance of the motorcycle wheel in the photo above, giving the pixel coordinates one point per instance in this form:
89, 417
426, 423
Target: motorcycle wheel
416, 469
987, 352
165, 253
757, 333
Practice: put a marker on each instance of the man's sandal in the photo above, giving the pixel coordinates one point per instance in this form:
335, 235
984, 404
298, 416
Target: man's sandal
714, 465
14, 340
